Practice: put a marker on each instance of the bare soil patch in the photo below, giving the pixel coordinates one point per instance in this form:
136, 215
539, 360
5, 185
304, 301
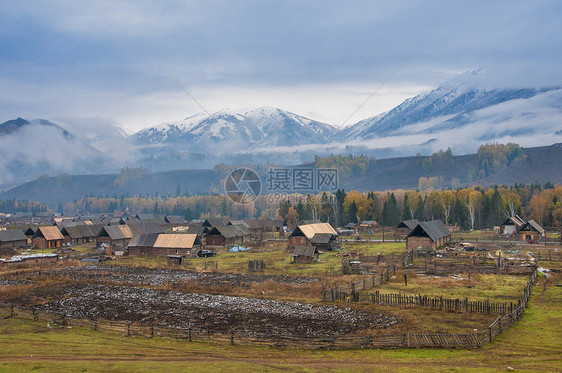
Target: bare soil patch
216, 313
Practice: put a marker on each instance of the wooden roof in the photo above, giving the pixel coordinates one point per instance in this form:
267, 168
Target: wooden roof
176, 241
126, 231
309, 230
49, 233
307, 251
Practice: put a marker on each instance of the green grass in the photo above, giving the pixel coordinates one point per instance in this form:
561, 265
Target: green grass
276, 257
497, 288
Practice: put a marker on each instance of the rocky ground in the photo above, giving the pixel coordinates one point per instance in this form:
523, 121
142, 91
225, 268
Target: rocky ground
217, 313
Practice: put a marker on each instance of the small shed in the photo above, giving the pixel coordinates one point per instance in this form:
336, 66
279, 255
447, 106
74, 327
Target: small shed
325, 241
305, 254
431, 234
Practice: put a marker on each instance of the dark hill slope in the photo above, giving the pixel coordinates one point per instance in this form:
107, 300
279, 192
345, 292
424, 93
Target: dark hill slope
68, 188
540, 164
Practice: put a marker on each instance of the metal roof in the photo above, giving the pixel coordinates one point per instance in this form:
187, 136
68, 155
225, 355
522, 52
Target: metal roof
143, 240
410, 224
435, 229
228, 231
11, 235
79, 231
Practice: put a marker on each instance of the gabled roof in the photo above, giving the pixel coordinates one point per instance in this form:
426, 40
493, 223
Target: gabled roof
49, 233
309, 230
143, 226
30, 231
173, 219
198, 230
307, 251
78, 231
214, 222
11, 235
514, 220
126, 231
434, 229
532, 225
145, 216
176, 241
321, 238
143, 240
410, 224
228, 231
113, 232
242, 223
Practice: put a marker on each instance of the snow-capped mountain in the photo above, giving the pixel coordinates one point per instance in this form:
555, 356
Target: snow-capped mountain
444, 108
235, 131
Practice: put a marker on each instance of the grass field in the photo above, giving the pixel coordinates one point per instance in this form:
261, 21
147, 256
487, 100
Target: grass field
533, 344
497, 288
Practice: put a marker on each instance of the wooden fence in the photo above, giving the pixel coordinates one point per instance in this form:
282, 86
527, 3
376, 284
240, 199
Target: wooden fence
194, 333
341, 292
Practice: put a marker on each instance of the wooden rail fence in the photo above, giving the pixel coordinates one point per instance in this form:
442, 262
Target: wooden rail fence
193, 333
341, 291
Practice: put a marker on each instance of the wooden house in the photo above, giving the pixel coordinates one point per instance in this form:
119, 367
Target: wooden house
47, 238
531, 231
303, 234
225, 235
305, 254
260, 226
431, 234
114, 235
164, 244
406, 226
80, 234
511, 225
12, 238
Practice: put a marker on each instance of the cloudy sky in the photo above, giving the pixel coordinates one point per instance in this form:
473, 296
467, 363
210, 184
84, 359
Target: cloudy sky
80, 62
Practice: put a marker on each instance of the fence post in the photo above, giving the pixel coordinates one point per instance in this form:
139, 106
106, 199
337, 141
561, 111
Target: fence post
34, 314
11, 310
151, 330
231, 338
490, 333
189, 332
128, 328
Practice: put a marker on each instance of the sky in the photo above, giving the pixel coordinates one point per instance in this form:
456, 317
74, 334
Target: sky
118, 63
